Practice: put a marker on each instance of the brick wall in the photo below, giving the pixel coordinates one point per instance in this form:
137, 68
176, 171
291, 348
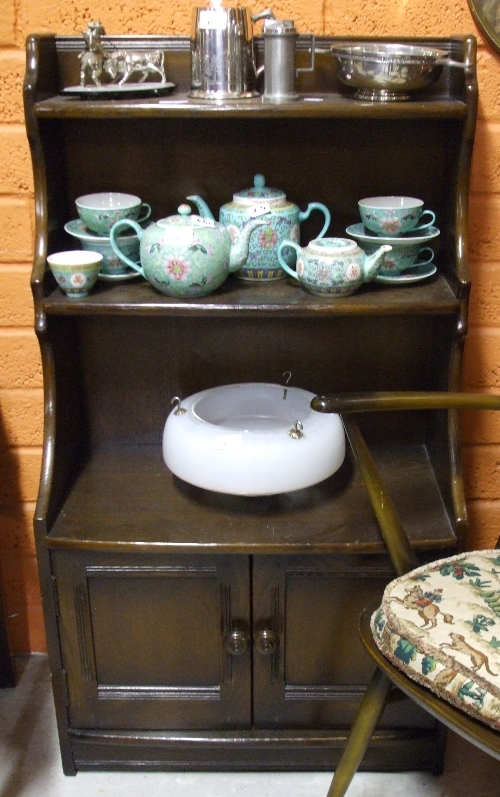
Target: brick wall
20, 372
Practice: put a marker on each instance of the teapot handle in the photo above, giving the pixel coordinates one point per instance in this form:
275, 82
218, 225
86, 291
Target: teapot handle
317, 206
115, 229
284, 265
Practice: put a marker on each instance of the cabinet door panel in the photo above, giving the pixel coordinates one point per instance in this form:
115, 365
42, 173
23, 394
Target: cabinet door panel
144, 640
317, 673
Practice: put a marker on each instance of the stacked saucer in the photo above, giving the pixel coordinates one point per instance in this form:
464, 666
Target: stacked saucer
410, 259
112, 268
97, 214
397, 221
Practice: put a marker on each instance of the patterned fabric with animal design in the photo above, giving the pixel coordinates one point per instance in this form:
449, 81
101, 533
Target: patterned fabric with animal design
440, 625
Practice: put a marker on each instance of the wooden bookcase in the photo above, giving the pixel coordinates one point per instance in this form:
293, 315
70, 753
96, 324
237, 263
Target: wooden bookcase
189, 629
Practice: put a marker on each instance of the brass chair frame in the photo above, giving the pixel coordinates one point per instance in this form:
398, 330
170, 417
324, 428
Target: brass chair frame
404, 560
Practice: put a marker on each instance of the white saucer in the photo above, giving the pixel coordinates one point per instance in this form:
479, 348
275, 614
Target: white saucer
132, 275
415, 274
359, 232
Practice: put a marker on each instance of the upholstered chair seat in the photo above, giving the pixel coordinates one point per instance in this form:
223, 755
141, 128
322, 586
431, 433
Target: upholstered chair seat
440, 625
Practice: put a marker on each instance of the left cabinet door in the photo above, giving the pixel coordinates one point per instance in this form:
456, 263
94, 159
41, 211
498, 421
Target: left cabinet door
155, 642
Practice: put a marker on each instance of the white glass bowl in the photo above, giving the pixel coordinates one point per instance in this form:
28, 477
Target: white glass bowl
252, 439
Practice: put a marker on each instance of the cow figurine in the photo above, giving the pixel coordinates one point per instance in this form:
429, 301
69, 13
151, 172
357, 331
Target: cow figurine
121, 64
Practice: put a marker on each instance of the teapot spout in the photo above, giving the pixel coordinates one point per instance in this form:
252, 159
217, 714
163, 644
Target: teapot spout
239, 248
372, 263
202, 206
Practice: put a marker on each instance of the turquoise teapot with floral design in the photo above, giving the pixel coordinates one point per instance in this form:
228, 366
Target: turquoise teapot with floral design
333, 266
185, 255
281, 220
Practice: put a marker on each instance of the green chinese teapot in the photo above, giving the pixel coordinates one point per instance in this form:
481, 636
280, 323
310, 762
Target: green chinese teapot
281, 220
333, 266
185, 255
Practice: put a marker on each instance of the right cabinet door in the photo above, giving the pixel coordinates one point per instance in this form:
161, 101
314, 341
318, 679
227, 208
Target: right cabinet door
310, 668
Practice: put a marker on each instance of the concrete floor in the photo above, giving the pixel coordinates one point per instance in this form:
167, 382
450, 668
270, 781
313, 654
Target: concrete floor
30, 764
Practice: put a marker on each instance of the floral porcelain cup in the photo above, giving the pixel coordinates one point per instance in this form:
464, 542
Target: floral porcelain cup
394, 215
111, 263
281, 220
100, 211
75, 271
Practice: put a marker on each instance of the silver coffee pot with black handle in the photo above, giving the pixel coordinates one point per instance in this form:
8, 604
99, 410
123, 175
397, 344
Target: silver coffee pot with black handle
222, 53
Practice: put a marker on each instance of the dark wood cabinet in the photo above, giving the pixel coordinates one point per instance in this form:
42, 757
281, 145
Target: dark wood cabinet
189, 629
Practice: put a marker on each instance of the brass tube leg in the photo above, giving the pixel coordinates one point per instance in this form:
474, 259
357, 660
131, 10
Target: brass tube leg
369, 712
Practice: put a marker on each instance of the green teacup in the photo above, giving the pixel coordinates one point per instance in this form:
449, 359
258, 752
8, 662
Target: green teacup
394, 215
76, 271
100, 211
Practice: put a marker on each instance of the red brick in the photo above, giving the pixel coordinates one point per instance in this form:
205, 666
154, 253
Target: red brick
12, 69
20, 363
21, 601
482, 358
15, 161
488, 73
26, 631
133, 17
484, 227
479, 427
8, 24
485, 175
22, 417
19, 475
16, 230
484, 524
484, 305
17, 529
481, 471
386, 18
16, 302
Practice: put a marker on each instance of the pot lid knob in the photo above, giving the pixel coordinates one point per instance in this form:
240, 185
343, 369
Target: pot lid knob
260, 192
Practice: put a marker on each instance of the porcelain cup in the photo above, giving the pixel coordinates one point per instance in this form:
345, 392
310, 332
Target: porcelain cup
111, 263
394, 215
75, 271
402, 256
100, 211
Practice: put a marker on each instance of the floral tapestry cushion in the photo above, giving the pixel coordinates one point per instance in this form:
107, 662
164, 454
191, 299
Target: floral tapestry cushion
440, 625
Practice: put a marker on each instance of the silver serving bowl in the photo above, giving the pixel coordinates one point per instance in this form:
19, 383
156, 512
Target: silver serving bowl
387, 72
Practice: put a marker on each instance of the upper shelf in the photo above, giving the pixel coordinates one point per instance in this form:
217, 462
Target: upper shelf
321, 93
313, 105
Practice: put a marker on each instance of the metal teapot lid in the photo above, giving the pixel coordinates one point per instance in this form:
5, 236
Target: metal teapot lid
260, 192
279, 27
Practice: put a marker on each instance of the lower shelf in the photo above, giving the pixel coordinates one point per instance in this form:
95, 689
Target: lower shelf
126, 498
254, 750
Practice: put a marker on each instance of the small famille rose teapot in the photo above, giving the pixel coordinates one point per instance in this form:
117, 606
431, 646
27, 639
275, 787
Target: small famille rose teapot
185, 255
333, 266
281, 220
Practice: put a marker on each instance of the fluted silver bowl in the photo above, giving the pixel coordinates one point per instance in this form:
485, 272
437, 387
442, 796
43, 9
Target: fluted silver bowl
384, 72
